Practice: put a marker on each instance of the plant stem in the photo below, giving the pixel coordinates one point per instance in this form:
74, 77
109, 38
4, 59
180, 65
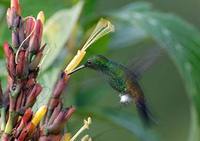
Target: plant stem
9, 125
3, 118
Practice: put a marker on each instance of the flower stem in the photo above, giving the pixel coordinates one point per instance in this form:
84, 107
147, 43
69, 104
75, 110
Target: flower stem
9, 125
78, 133
3, 118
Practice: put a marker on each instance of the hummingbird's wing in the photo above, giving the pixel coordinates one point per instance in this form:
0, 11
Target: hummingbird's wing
143, 62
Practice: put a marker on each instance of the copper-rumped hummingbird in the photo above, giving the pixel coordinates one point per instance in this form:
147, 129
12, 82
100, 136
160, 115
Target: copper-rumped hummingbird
123, 80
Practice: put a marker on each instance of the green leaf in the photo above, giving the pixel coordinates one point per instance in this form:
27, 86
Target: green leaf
182, 41
132, 124
5, 3
57, 31
125, 35
32, 7
137, 6
47, 80
122, 119
3, 71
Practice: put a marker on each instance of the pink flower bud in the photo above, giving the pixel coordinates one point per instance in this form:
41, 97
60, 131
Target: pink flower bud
24, 121
60, 85
15, 39
15, 4
7, 50
56, 126
29, 27
53, 102
35, 40
30, 83
55, 113
16, 22
60, 121
21, 32
33, 95
19, 101
12, 18
22, 67
59, 118
27, 115
9, 53
69, 113
11, 65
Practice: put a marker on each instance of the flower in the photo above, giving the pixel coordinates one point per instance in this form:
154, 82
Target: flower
23, 57
39, 115
103, 27
84, 127
15, 4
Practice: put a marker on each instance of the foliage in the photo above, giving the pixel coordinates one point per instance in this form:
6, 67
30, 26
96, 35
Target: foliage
135, 23
182, 46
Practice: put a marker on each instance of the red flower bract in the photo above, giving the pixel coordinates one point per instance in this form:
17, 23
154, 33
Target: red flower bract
23, 56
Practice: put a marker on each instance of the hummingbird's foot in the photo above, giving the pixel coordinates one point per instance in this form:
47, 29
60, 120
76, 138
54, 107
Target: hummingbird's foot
125, 99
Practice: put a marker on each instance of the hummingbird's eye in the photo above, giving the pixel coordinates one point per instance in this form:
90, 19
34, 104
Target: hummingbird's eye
89, 62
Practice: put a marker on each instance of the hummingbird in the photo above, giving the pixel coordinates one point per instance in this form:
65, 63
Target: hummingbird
123, 80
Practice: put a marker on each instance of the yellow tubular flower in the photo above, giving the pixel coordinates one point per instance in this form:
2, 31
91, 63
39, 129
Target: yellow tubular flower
66, 137
103, 27
39, 115
75, 61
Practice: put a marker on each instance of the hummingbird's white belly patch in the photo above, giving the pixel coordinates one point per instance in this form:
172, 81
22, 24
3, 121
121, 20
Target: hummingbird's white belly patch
126, 98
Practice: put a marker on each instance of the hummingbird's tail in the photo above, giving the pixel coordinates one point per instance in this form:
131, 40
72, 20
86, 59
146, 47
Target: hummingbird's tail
144, 112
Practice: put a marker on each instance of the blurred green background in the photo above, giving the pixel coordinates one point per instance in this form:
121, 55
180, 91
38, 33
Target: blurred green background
165, 84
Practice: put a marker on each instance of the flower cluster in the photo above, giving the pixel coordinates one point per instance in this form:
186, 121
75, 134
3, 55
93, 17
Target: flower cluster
23, 58
51, 128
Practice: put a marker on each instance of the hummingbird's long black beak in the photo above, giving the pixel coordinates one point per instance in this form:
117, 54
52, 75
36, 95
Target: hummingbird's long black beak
77, 69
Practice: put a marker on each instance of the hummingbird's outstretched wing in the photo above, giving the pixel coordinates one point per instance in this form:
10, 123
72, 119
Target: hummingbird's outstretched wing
143, 62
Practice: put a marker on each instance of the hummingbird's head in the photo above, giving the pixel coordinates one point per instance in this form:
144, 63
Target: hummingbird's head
97, 62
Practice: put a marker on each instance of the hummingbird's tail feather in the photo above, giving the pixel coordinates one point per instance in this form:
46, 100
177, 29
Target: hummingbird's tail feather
145, 113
